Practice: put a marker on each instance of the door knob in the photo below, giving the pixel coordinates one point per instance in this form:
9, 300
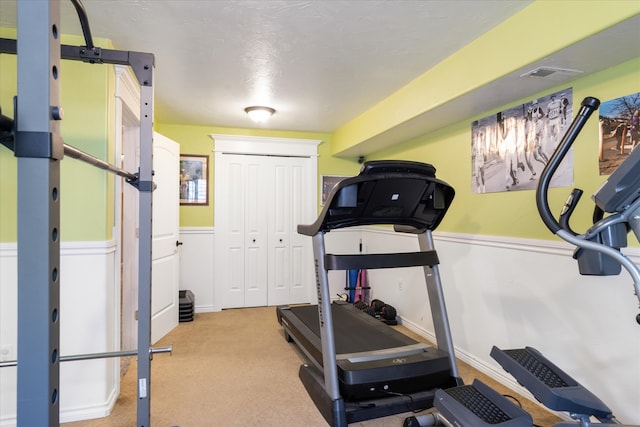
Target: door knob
179, 243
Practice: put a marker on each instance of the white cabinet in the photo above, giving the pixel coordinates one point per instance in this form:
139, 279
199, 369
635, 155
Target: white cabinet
261, 195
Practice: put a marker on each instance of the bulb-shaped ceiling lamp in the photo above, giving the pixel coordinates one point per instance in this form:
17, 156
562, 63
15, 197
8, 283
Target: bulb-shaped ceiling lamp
259, 114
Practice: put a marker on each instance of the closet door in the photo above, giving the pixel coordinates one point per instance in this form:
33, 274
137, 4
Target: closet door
255, 232
289, 259
302, 212
241, 273
264, 188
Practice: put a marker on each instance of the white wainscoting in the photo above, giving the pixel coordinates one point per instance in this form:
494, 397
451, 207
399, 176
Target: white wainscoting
520, 292
341, 241
196, 266
499, 291
89, 323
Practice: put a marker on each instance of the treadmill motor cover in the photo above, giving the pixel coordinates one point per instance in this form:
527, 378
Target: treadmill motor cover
426, 370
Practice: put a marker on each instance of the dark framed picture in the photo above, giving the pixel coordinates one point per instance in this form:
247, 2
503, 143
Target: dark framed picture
328, 182
194, 180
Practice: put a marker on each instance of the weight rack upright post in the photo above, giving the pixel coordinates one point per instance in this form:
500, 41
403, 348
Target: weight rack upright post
145, 197
39, 149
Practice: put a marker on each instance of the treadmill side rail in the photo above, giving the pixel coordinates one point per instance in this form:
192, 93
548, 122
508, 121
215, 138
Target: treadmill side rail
332, 410
385, 353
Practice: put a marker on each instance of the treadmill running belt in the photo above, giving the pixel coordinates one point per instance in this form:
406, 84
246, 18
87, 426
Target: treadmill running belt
369, 334
373, 359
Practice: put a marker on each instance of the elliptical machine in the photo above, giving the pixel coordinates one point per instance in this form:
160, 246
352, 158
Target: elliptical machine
598, 253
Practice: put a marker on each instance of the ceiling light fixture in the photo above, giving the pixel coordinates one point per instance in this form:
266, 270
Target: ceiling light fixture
259, 114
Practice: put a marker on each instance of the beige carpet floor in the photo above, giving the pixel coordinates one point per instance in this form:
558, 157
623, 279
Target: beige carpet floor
234, 368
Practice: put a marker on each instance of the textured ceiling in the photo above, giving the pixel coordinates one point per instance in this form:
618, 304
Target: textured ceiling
318, 63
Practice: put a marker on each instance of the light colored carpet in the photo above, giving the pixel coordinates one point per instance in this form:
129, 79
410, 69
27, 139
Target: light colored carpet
234, 368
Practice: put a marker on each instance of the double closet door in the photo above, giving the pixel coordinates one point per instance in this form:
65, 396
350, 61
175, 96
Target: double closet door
260, 259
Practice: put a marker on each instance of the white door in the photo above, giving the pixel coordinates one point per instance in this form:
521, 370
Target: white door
240, 199
166, 156
164, 286
302, 212
289, 257
255, 233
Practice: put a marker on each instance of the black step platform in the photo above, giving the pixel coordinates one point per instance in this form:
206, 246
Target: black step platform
478, 405
553, 387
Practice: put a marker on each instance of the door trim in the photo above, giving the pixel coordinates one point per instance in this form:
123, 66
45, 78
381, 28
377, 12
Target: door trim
265, 146
127, 131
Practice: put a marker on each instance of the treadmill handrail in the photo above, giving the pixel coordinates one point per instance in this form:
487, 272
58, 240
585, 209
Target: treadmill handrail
373, 261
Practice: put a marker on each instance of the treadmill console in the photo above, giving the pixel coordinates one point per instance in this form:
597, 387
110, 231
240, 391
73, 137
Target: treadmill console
401, 193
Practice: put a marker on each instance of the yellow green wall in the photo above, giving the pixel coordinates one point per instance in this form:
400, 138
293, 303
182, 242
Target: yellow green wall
8, 166
87, 208
539, 30
449, 150
196, 140
86, 192
515, 213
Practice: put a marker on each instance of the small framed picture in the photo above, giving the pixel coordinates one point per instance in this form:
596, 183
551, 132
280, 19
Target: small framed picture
194, 180
328, 182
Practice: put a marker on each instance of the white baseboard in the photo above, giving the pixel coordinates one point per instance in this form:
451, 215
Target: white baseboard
91, 412
205, 309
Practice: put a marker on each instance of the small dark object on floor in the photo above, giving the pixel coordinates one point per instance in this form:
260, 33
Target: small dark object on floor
186, 306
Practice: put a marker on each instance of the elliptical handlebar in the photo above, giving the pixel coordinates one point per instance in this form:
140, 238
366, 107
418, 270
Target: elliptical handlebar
588, 106
569, 207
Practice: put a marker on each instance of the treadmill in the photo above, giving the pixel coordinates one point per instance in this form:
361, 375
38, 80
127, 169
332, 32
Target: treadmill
361, 368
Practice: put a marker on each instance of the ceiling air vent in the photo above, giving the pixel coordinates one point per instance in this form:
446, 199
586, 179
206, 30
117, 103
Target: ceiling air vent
551, 73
